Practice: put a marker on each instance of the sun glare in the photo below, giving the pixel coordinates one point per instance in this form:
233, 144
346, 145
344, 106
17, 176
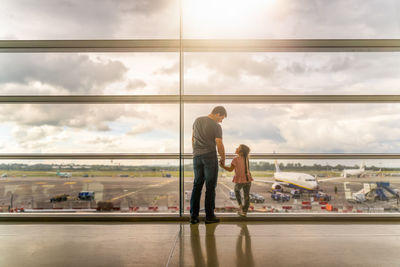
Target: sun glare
221, 17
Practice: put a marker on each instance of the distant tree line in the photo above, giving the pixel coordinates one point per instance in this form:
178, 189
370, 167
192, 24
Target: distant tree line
255, 166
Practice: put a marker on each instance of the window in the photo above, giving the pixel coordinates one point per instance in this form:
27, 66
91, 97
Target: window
97, 102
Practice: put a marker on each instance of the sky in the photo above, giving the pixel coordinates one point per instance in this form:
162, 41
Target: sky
145, 128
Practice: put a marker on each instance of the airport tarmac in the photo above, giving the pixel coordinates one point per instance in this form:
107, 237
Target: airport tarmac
158, 194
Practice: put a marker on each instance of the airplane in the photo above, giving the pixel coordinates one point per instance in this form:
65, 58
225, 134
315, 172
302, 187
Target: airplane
354, 172
64, 174
297, 180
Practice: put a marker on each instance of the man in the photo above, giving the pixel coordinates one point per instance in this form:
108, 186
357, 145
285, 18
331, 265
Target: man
207, 134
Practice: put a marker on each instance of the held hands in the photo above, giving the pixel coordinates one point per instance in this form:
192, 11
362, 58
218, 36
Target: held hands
222, 163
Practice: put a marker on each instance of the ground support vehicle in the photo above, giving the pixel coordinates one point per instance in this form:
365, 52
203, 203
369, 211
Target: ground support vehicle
105, 206
256, 198
296, 194
59, 198
321, 196
86, 195
278, 196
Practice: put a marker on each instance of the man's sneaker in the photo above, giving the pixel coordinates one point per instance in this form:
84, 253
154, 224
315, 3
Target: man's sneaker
211, 220
194, 220
243, 214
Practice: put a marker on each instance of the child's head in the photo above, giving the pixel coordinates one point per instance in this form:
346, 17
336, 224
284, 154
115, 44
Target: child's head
243, 150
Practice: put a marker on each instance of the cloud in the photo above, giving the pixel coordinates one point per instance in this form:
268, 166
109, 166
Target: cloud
293, 73
96, 117
170, 70
139, 129
296, 19
283, 128
73, 73
305, 128
90, 19
101, 140
144, 6
338, 19
38, 138
89, 128
135, 84
234, 65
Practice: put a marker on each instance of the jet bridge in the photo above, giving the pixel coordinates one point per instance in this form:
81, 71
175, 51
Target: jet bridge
385, 186
370, 191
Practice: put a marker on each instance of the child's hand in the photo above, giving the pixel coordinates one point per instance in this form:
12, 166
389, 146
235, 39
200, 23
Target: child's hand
222, 165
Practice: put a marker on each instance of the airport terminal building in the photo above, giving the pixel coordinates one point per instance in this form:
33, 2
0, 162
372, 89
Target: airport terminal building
99, 99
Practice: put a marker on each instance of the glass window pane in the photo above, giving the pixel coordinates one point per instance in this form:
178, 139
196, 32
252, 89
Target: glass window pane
369, 186
136, 186
292, 73
51, 20
305, 128
291, 19
89, 73
67, 128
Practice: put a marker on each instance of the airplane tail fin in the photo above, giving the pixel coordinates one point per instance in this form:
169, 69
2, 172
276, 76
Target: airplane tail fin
277, 166
362, 165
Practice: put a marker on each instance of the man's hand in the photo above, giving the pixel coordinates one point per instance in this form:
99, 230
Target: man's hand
222, 162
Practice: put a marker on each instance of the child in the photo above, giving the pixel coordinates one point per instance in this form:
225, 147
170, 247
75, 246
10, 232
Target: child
242, 178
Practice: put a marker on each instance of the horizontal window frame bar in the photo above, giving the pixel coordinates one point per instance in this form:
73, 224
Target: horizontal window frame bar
292, 45
150, 156
54, 46
225, 217
202, 45
174, 99
90, 99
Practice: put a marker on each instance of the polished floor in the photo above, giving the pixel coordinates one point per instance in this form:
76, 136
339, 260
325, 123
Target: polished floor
181, 244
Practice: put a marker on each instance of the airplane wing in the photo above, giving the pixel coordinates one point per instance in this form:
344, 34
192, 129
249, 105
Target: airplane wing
263, 181
269, 182
369, 172
322, 180
344, 180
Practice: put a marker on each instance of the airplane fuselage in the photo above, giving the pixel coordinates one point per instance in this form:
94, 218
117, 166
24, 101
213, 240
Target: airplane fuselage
353, 172
297, 180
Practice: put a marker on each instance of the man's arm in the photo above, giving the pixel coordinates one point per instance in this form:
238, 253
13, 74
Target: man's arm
221, 150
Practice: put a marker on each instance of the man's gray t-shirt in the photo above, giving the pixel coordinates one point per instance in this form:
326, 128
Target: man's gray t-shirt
205, 130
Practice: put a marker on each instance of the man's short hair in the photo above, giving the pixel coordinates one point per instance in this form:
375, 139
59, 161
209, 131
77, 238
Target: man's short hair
220, 110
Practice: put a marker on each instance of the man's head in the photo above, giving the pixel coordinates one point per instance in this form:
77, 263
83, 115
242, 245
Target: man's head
218, 114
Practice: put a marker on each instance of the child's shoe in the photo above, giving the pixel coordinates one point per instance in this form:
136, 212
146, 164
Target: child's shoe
240, 210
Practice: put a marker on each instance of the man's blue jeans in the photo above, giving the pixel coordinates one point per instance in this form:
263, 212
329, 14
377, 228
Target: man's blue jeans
205, 170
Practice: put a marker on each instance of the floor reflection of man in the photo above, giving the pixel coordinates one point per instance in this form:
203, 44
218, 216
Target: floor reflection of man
244, 255
211, 246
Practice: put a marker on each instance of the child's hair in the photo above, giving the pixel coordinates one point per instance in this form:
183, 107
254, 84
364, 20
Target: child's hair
245, 150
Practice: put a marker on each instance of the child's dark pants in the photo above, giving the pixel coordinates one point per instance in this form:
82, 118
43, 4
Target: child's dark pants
246, 195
